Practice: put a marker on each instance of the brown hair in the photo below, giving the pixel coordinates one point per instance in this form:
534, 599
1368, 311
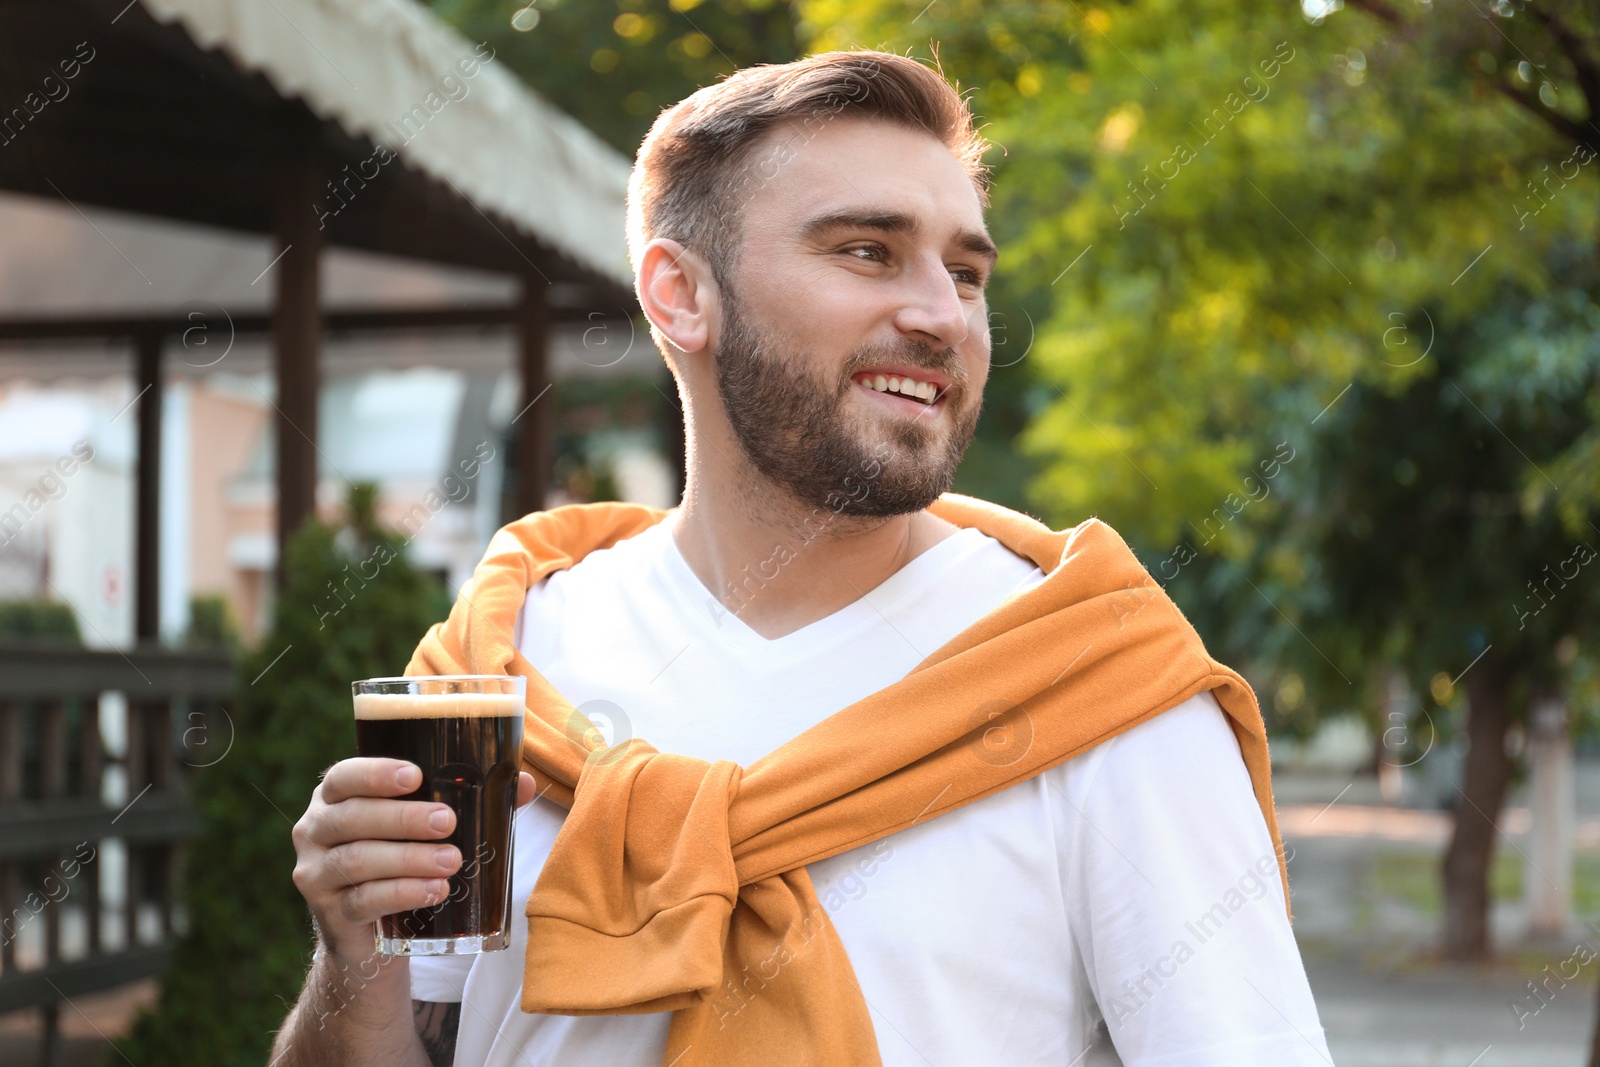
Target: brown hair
694, 172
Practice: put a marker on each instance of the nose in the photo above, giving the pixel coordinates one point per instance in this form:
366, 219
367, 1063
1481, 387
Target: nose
932, 310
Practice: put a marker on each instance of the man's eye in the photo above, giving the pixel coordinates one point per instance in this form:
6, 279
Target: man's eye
970, 277
874, 253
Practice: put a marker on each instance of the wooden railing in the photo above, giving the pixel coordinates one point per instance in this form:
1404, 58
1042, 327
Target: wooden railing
95, 752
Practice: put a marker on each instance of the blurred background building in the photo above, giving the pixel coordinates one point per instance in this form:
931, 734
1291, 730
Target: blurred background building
401, 411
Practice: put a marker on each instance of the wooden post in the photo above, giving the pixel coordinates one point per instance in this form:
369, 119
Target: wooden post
90, 750
147, 520
50, 1039
51, 723
297, 342
535, 421
10, 759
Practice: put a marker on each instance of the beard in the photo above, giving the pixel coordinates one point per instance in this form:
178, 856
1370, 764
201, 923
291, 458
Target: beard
793, 426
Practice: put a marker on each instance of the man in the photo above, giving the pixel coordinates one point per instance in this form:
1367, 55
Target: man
810, 250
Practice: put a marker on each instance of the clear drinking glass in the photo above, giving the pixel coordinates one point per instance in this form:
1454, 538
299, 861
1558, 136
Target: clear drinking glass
465, 733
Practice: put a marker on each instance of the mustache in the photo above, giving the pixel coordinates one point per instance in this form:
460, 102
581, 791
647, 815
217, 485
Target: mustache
911, 353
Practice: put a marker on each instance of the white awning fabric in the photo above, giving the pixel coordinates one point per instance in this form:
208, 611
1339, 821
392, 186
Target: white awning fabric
390, 71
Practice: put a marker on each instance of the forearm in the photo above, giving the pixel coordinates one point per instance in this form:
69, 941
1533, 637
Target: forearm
352, 1014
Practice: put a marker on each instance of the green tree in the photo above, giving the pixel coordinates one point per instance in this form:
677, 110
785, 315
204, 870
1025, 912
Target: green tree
352, 607
1255, 232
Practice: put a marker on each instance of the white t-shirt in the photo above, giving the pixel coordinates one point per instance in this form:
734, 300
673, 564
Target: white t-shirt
1131, 891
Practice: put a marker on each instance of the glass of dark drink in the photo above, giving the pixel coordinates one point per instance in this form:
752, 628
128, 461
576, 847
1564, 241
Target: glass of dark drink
465, 733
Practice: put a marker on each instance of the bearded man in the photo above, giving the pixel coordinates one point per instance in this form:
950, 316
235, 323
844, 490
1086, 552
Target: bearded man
832, 766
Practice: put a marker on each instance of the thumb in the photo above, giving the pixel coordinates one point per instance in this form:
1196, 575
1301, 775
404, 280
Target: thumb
525, 788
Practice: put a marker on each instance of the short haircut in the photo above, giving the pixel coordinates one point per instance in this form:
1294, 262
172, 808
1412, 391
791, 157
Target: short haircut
695, 170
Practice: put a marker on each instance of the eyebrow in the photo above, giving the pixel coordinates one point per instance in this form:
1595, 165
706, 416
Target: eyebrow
975, 241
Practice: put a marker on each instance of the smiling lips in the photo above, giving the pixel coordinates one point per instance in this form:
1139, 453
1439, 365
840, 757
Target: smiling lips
922, 390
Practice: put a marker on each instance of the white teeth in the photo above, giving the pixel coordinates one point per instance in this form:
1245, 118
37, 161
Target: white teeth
924, 391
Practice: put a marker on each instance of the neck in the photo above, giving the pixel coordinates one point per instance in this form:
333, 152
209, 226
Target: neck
776, 562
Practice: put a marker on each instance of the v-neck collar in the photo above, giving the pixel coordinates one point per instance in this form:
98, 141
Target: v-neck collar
724, 625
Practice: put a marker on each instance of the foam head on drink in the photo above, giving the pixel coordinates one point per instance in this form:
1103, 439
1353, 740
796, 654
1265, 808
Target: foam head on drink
436, 705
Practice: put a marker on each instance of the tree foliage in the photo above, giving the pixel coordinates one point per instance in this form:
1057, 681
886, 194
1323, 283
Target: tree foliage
1359, 243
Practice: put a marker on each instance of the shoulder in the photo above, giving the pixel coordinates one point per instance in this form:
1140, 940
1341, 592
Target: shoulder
1186, 751
599, 576
613, 562
1197, 726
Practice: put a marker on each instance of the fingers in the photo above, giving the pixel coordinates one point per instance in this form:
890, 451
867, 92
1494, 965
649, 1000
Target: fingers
526, 788
354, 863
369, 776
370, 818
362, 854
368, 902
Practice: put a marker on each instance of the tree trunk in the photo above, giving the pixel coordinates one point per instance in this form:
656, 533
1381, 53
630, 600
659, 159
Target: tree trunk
1478, 800
1547, 882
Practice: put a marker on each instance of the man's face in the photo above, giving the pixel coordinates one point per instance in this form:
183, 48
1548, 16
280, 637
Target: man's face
862, 260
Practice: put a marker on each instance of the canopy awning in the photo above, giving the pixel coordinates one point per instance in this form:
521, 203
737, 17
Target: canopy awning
424, 144
389, 72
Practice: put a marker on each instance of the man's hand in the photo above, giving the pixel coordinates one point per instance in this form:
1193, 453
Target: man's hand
362, 853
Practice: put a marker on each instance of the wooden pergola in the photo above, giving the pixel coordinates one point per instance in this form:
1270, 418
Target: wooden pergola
192, 110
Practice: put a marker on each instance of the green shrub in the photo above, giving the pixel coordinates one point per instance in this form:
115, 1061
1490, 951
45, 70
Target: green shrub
211, 623
39, 620
242, 960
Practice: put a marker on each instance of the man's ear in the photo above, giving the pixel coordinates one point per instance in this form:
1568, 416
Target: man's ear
677, 294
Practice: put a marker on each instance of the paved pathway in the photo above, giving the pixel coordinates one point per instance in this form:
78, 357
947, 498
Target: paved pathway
1446, 1019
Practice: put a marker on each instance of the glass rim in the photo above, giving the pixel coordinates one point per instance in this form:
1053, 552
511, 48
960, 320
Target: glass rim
511, 680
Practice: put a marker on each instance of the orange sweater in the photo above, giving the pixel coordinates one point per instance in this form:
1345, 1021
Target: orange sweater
673, 878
